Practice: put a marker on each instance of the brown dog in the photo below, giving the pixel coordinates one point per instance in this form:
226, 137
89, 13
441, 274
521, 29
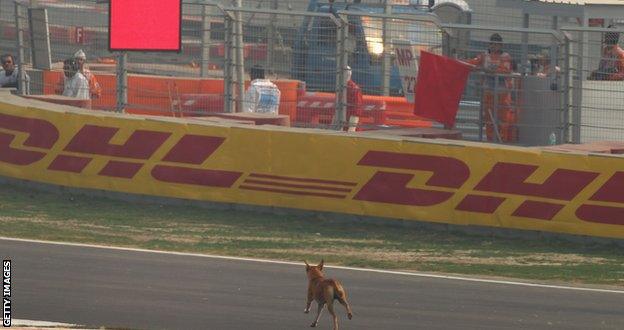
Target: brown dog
324, 291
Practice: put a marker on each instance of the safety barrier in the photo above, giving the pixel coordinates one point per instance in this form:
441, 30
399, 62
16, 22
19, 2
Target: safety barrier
446, 182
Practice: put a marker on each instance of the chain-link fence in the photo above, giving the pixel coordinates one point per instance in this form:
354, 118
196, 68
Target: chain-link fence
544, 96
518, 91
597, 84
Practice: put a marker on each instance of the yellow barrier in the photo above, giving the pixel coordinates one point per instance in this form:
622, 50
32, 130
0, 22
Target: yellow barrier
447, 182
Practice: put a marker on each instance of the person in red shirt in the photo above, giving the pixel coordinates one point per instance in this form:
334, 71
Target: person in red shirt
611, 65
354, 96
495, 62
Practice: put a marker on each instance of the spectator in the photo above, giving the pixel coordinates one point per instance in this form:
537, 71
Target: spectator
94, 88
95, 91
495, 63
262, 96
544, 67
75, 83
354, 96
611, 65
9, 75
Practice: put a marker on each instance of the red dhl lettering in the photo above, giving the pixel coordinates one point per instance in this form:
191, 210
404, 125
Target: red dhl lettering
612, 192
388, 187
67, 163
117, 169
41, 134
194, 149
509, 178
504, 178
96, 140
142, 145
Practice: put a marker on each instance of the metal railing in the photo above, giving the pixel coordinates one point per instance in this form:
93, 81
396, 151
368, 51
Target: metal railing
597, 98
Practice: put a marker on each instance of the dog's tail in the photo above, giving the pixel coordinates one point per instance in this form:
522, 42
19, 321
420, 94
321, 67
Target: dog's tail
339, 291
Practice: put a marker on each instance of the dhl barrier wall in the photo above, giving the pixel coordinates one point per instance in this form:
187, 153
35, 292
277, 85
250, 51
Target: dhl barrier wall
445, 182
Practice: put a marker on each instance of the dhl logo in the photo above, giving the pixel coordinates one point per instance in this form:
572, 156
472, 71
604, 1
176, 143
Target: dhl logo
388, 184
93, 140
563, 185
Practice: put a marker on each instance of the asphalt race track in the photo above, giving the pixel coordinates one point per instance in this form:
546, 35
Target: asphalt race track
134, 289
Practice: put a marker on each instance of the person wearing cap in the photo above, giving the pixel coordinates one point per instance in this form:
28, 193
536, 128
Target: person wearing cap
495, 62
354, 96
94, 87
9, 76
611, 65
95, 91
75, 83
262, 96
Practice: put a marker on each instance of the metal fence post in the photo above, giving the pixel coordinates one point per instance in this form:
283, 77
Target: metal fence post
19, 43
524, 66
566, 91
230, 105
205, 60
271, 35
577, 97
494, 109
481, 109
340, 117
385, 64
240, 57
122, 82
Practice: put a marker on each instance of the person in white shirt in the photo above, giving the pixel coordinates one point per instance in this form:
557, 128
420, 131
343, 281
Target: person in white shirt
262, 96
76, 84
9, 75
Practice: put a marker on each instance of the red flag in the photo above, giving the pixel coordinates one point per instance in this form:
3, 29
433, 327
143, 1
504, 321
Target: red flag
441, 82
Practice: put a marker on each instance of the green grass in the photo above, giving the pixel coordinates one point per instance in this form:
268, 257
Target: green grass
74, 218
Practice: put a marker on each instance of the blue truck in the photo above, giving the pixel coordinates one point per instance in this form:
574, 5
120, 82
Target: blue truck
315, 49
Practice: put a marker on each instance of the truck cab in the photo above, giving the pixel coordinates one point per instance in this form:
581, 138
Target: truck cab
314, 53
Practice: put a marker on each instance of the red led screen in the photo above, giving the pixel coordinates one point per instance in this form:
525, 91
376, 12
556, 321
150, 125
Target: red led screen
147, 25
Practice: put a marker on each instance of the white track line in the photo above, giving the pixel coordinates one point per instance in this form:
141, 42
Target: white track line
40, 324
416, 274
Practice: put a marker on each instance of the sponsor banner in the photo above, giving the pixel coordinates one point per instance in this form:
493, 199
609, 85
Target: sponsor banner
407, 60
458, 183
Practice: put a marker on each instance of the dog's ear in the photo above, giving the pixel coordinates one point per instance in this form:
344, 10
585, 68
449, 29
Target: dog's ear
320, 266
306, 263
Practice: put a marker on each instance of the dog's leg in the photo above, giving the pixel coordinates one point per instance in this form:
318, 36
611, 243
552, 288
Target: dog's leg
309, 302
330, 308
345, 303
318, 314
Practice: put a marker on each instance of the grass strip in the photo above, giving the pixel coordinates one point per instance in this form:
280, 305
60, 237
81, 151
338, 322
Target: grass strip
29, 214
